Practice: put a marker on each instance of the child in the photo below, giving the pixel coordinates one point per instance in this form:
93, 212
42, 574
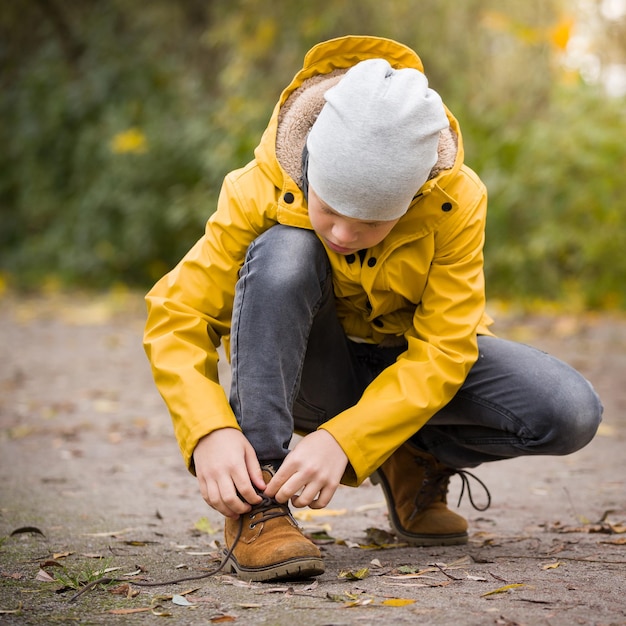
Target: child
343, 273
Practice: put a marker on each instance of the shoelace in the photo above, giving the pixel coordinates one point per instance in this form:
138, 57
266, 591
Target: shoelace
463, 475
268, 507
435, 486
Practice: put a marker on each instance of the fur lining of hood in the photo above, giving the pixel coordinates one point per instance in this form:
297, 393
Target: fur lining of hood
299, 112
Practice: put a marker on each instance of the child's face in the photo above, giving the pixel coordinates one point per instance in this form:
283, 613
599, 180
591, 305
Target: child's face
345, 235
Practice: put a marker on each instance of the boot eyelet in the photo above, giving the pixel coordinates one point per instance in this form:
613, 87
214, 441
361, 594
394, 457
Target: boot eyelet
252, 526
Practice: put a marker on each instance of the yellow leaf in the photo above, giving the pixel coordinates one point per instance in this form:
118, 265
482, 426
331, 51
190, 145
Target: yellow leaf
398, 602
205, 526
502, 589
552, 565
310, 514
358, 575
131, 141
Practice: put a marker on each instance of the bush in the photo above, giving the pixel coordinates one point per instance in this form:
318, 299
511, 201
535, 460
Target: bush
120, 120
107, 173
556, 226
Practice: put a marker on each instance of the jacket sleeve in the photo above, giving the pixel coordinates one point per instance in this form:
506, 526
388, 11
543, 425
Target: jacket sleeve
189, 312
442, 347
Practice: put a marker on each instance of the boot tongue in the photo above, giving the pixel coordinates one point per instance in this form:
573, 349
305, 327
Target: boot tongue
268, 472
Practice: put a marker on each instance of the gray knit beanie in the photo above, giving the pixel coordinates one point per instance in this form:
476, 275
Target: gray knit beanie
375, 141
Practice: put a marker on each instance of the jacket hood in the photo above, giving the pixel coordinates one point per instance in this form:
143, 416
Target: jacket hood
279, 153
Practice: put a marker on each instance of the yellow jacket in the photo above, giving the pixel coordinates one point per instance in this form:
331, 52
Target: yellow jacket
423, 283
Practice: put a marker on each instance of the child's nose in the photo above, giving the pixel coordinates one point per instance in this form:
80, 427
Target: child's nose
344, 233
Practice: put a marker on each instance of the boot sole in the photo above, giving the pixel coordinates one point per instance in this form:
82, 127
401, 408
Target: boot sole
414, 539
287, 570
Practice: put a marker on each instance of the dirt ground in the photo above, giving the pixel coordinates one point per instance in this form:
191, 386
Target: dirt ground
91, 479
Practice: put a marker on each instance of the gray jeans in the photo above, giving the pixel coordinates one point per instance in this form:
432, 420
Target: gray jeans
294, 367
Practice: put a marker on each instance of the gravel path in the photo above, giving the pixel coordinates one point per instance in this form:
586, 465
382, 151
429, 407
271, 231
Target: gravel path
88, 463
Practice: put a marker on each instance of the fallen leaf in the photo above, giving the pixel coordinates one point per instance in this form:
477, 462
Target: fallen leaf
111, 533
502, 589
51, 563
551, 565
361, 602
321, 538
160, 611
189, 591
616, 542
218, 619
439, 583
310, 514
205, 526
236, 582
61, 555
397, 602
379, 537
351, 575
12, 611
369, 507
27, 529
129, 611
181, 600
334, 597
138, 571
277, 590
44, 577
124, 590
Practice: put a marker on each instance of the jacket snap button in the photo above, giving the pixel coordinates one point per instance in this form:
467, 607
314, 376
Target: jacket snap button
446, 206
350, 258
378, 322
288, 198
371, 261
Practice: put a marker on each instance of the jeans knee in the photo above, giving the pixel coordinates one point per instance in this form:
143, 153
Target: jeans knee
573, 419
284, 257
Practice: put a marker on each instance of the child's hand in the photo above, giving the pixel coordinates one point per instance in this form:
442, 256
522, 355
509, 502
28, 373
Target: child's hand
311, 472
226, 465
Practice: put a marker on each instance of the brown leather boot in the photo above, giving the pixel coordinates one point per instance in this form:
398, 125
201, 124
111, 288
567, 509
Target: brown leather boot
415, 485
267, 544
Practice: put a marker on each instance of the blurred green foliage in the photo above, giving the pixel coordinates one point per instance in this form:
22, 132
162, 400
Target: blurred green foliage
120, 119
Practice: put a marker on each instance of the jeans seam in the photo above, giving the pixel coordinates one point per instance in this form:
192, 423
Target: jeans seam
521, 428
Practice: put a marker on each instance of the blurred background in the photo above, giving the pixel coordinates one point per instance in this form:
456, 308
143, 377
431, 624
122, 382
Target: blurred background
119, 120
